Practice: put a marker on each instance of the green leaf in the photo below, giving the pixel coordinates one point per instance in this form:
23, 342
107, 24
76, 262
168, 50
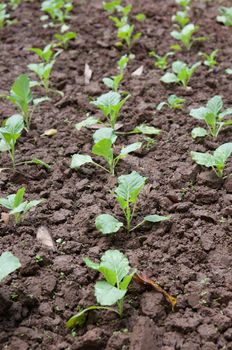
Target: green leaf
146, 130
156, 218
91, 264
86, 123
130, 148
108, 82
126, 280
160, 106
215, 105
39, 162
8, 264
20, 90
103, 148
140, 17
223, 152
104, 133
169, 78
198, 113
115, 262
198, 132
205, 159
226, 112
78, 160
14, 125
130, 186
106, 294
19, 197
107, 224
107, 100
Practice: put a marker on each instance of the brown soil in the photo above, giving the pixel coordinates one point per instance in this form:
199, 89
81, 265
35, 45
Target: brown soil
190, 256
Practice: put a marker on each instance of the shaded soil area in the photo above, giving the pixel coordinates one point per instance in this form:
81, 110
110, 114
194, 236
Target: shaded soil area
190, 256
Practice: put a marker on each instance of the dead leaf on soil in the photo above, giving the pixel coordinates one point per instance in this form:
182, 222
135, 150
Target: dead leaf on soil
44, 237
88, 74
138, 72
142, 279
50, 132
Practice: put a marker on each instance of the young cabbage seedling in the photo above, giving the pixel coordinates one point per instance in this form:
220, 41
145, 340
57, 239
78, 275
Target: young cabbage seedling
111, 290
15, 3
210, 59
114, 82
213, 116
126, 193
184, 3
47, 54
185, 35
161, 62
181, 73
43, 71
8, 264
173, 102
110, 104
103, 147
58, 10
111, 6
4, 16
9, 134
63, 39
181, 18
17, 206
217, 160
225, 16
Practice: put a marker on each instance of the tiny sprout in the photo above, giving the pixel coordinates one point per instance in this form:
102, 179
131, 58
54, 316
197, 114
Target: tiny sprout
173, 102
43, 71
181, 18
225, 16
58, 10
18, 208
114, 81
185, 35
4, 16
161, 62
210, 59
47, 54
63, 39
183, 3
217, 160
181, 73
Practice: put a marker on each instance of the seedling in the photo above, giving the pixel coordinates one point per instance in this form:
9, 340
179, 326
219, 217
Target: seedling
15, 3
114, 82
8, 264
4, 16
181, 17
184, 3
126, 194
173, 102
17, 206
225, 16
9, 134
58, 10
181, 73
161, 62
217, 160
185, 35
117, 273
47, 54
110, 104
213, 116
210, 59
43, 71
111, 6
103, 147
63, 39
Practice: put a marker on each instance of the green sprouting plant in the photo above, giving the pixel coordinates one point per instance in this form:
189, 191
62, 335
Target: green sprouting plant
4, 16
161, 62
63, 39
111, 6
114, 81
225, 16
173, 102
110, 104
15, 3
8, 264
217, 160
117, 273
58, 10
47, 54
9, 134
181, 18
126, 34
185, 35
181, 73
103, 147
210, 59
43, 71
228, 71
21, 96
183, 3
213, 116
17, 206
127, 192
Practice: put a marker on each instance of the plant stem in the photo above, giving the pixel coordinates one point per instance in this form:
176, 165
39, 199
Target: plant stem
138, 225
120, 307
102, 167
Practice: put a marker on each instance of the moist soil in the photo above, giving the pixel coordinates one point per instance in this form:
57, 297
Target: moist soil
190, 256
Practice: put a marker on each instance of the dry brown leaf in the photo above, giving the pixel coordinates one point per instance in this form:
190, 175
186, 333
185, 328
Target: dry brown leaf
142, 279
138, 72
88, 74
44, 237
50, 132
